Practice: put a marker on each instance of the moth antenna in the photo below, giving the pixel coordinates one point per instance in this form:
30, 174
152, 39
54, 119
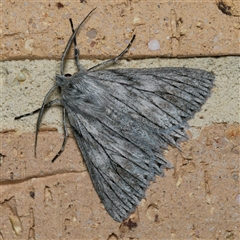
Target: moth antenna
76, 50
71, 23
114, 60
71, 39
40, 116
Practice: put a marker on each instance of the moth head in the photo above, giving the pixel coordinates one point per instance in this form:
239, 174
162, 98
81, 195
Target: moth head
62, 80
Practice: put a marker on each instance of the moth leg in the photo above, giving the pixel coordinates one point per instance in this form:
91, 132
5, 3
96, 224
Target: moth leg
114, 60
76, 50
48, 105
65, 136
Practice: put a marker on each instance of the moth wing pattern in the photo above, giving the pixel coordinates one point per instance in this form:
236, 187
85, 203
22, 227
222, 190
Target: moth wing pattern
123, 119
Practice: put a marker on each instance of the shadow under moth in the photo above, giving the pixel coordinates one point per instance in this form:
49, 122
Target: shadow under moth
123, 119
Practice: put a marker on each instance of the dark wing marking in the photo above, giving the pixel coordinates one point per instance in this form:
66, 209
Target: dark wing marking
123, 119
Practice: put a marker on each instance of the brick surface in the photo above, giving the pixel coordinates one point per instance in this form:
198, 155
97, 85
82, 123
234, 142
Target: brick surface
182, 28
198, 199
25, 83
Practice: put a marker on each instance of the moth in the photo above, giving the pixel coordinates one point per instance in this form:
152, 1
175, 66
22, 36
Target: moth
123, 120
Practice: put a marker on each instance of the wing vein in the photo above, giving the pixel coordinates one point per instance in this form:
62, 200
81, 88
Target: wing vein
104, 149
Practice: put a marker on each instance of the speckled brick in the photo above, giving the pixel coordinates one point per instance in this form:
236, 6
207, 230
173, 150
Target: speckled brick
41, 29
198, 199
